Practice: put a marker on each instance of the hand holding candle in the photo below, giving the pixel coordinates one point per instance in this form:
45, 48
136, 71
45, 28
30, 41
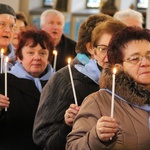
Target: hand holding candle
113, 91
72, 83
55, 59
2, 55
6, 61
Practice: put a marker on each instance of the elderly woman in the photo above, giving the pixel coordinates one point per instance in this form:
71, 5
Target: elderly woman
25, 82
21, 22
101, 36
128, 128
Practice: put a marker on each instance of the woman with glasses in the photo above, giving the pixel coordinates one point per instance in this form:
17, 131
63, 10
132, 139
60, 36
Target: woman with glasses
129, 126
100, 38
7, 28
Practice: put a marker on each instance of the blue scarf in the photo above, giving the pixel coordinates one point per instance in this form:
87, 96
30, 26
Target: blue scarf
11, 55
145, 107
18, 71
88, 67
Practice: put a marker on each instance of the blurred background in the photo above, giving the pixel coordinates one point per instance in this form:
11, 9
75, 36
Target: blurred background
75, 11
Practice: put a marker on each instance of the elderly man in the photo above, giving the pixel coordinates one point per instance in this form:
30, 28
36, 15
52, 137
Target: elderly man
52, 21
7, 27
130, 17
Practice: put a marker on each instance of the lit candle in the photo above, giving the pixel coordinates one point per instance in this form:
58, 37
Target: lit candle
55, 59
6, 61
2, 51
113, 91
72, 83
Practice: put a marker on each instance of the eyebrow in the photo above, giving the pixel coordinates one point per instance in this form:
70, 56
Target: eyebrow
101, 45
137, 53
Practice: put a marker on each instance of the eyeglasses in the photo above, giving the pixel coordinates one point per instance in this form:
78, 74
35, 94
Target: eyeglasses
102, 48
137, 58
4, 25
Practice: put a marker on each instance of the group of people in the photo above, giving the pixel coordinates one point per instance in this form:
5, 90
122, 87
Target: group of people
39, 111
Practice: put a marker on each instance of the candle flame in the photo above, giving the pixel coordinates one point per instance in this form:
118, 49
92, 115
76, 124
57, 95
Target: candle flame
2, 51
54, 52
69, 60
6, 59
114, 71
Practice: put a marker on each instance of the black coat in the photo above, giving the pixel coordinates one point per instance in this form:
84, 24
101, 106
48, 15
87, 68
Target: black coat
16, 124
50, 130
66, 48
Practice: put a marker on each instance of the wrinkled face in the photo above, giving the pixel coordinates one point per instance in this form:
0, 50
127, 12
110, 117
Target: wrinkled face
137, 61
101, 50
35, 59
19, 24
7, 23
132, 22
54, 26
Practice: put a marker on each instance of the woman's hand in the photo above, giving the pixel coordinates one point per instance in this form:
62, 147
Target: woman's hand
4, 101
106, 128
70, 114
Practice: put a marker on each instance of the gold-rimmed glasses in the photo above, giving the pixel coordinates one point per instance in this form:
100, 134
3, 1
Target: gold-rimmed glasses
137, 58
102, 48
4, 25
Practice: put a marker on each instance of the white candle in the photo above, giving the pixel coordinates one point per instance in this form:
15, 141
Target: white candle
113, 91
55, 59
6, 61
72, 83
2, 51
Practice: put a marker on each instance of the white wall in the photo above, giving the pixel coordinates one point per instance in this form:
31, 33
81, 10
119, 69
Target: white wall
75, 5
27, 5
14, 5
148, 18
124, 4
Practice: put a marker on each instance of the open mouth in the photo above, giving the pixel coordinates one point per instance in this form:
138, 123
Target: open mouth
54, 32
6, 37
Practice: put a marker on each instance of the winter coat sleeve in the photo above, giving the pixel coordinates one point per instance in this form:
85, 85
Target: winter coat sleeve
50, 130
83, 135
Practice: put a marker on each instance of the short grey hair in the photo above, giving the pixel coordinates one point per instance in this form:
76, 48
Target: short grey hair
120, 15
50, 11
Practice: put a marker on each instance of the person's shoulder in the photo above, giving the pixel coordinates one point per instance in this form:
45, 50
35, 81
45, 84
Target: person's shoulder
68, 39
61, 73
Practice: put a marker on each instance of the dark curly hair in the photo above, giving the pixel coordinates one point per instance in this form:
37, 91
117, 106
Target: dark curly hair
85, 31
121, 38
35, 36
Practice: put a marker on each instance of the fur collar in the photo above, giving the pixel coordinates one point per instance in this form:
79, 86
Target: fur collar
125, 87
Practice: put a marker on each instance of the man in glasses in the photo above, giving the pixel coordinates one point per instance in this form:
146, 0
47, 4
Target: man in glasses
7, 28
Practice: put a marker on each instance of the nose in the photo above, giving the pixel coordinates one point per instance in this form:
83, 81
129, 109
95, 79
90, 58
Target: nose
106, 59
55, 25
37, 57
7, 28
144, 62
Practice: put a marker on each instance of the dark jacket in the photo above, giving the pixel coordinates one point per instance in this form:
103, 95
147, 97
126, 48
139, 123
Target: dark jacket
16, 124
65, 49
50, 130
